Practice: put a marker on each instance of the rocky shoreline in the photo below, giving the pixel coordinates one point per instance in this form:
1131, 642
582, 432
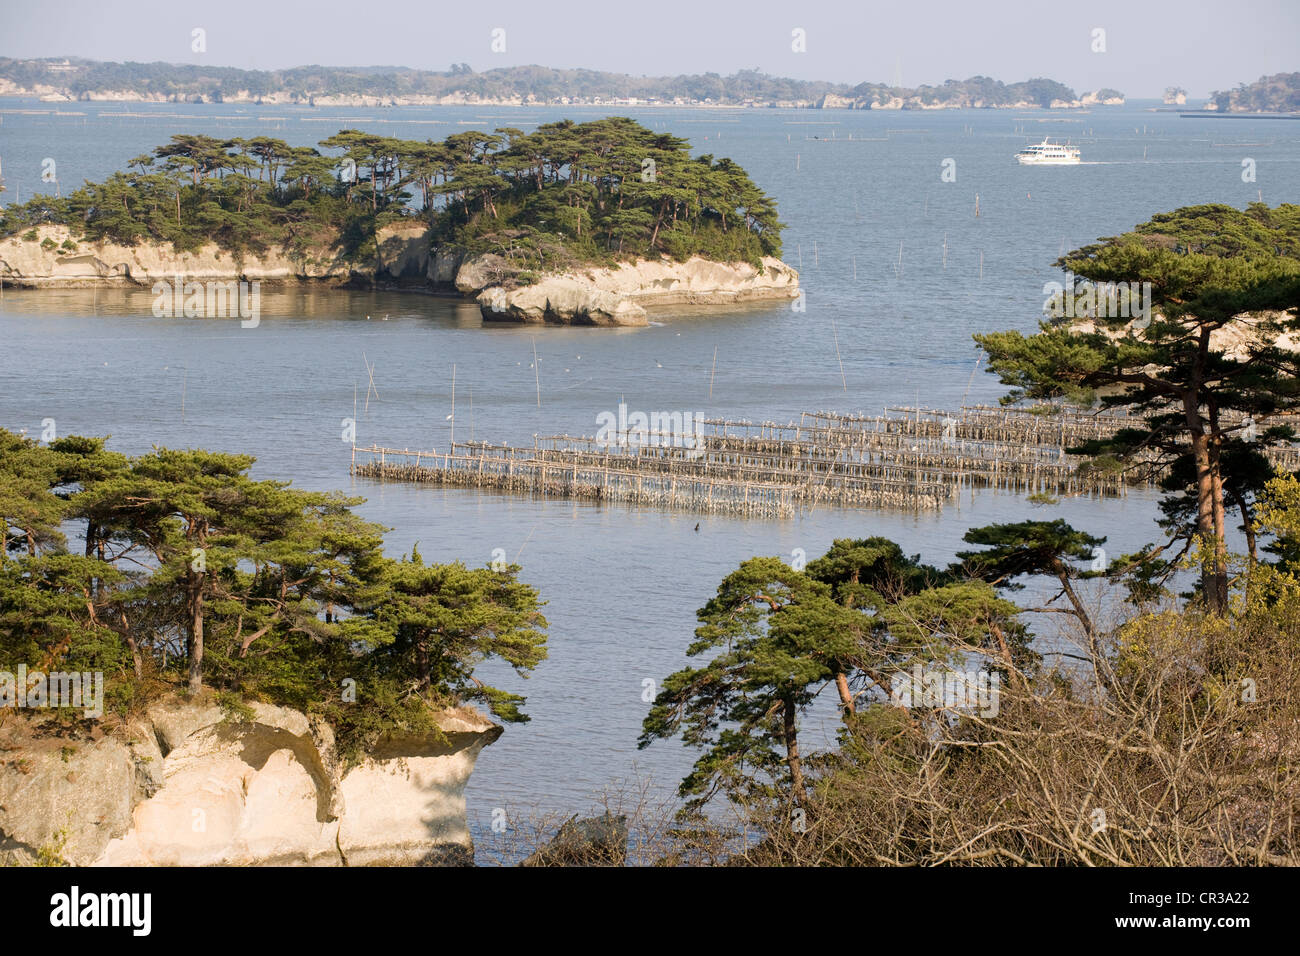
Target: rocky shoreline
613, 296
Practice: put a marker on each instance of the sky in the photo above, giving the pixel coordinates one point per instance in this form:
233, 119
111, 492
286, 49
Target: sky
1145, 46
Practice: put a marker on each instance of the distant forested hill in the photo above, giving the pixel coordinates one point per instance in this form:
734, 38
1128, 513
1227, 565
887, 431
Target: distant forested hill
1279, 93
90, 79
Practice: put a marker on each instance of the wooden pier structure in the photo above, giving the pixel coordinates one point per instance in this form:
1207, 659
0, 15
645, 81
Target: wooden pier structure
906, 458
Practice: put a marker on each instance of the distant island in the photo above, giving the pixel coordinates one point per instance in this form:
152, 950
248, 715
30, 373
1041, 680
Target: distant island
584, 222
1279, 93
69, 79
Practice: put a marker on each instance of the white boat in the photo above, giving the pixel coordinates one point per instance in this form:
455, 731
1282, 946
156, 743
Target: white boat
1048, 154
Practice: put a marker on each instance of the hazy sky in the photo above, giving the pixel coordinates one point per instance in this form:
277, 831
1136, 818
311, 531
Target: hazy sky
1149, 44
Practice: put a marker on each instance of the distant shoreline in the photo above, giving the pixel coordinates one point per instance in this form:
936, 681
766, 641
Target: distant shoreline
361, 102
69, 79
1215, 114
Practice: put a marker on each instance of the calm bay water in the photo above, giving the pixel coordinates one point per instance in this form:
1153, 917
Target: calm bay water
622, 584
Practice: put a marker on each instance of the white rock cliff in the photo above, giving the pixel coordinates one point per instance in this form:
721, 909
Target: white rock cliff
620, 295
188, 787
617, 295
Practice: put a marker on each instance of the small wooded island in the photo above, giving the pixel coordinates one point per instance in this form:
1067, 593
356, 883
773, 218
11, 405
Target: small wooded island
574, 222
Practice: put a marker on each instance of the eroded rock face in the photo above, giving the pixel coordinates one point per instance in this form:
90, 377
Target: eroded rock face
403, 250
187, 787
620, 295
444, 264
598, 296
403, 253
562, 300
65, 797
480, 272
390, 818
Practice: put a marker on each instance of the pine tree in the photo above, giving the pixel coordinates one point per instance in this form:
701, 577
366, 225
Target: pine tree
1193, 401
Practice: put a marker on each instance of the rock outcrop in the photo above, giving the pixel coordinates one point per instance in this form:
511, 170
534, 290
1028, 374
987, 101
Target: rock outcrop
404, 259
1101, 98
188, 786
55, 259
621, 295
594, 841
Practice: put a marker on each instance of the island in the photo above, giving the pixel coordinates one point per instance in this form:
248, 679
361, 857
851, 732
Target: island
74, 79
585, 223
1279, 93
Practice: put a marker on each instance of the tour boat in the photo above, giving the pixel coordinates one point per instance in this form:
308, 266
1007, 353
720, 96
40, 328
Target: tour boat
1048, 154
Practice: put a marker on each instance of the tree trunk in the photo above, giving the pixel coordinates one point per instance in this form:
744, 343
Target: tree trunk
1005, 653
1204, 504
846, 698
194, 639
422, 662
792, 751
1220, 530
1063, 575
136, 661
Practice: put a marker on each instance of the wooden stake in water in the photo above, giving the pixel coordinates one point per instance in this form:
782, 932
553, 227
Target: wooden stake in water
453, 403
816, 261
537, 373
835, 334
945, 251
972, 381
715, 370
370, 386
796, 162
977, 205
981, 265
855, 268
